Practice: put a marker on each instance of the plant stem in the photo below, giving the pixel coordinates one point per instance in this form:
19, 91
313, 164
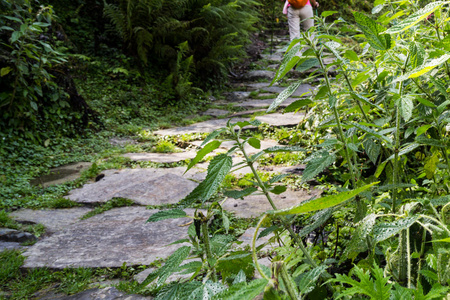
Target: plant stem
357, 101
291, 290
207, 245
255, 257
408, 257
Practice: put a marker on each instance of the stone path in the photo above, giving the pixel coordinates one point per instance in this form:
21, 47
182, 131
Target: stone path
121, 235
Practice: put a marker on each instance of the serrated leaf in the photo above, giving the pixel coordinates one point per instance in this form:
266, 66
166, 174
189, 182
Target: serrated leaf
416, 17
441, 201
430, 142
377, 9
277, 178
417, 54
254, 142
283, 149
440, 86
333, 47
243, 291
358, 242
283, 96
384, 231
423, 69
361, 98
351, 55
317, 165
240, 194
372, 149
5, 71
240, 277
279, 189
167, 214
202, 153
217, 170
323, 202
206, 291
247, 123
373, 132
289, 61
372, 31
213, 135
318, 220
268, 231
406, 108
306, 64
309, 279
294, 106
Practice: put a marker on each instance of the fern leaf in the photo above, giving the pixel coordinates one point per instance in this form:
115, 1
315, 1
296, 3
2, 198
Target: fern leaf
167, 214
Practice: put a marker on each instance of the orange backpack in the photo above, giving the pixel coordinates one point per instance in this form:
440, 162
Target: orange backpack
297, 3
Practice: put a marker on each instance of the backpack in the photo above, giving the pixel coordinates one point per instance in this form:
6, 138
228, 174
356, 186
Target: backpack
297, 3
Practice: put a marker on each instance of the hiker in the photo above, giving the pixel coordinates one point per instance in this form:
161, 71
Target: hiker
295, 15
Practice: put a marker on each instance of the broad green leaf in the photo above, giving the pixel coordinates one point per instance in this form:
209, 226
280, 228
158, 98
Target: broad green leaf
384, 231
247, 123
284, 95
373, 132
361, 98
268, 231
440, 86
290, 59
283, 149
254, 142
323, 202
377, 9
430, 142
416, 17
294, 106
279, 189
423, 69
358, 243
5, 71
243, 290
240, 194
360, 78
334, 48
167, 214
446, 240
406, 108
351, 55
277, 178
332, 100
206, 291
213, 135
372, 31
380, 169
405, 149
372, 149
317, 164
318, 220
417, 54
425, 102
307, 63
430, 165
422, 129
15, 36
203, 152
217, 170
329, 37
328, 13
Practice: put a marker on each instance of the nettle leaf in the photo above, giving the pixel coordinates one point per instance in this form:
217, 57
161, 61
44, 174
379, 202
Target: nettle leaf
213, 135
440, 86
358, 242
167, 214
279, 189
372, 148
277, 178
290, 59
283, 149
441, 201
333, 47
268, 231
372, 30
423, 69
323, 202
423, 140
318, 220
317, 164
406, 107
416, 17
405, 149
247, 123
296, 105
431, 165
240, 194
383, 231
373, 133
351, 55
309, 279
306, 64
359, 97
284, 95
243, 290
217, 170
417, 54
203, 152
254, 142
207, 290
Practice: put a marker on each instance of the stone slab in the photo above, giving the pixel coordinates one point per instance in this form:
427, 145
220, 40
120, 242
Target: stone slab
255, 103
254, 205
62, 174
11, 246
237, 96
247, 238
302, 89
119, 141
144, 186
214, 112
276, 119
258, 75
117, 236
107, 293
53, 219
276, 57
161, 157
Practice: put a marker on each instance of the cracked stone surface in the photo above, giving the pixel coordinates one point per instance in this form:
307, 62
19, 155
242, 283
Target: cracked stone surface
143, 186
107, 293
161, 157
254, 205
247, 237
214, 112
108, 240
255, 103
53, 219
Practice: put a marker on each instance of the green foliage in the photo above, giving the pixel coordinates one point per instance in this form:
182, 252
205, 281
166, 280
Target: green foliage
113, 203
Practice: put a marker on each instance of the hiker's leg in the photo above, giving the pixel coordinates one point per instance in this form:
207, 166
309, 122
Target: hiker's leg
294, 23
306, 15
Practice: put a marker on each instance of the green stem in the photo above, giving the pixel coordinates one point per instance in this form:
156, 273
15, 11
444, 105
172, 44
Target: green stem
422, 251
352, 90
291, 290
408, 257
403, 262
255, 257
396, 151
436, 27
437, 221
207, 244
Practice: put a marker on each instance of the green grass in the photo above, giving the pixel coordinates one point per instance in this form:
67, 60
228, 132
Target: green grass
113, 203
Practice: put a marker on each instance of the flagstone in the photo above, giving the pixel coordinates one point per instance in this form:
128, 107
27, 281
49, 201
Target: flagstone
110, 239
161, 157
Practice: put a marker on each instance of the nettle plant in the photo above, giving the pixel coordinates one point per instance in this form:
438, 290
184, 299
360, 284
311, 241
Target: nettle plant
383, 121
